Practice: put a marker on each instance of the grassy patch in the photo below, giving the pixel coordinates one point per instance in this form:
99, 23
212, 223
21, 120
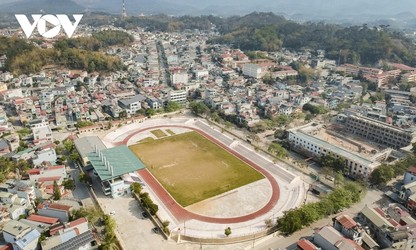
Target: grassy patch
147, 139
170, 132
158, 133
192, 168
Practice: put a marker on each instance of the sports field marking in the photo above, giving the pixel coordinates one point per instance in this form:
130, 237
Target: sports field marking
203, 169
158, 133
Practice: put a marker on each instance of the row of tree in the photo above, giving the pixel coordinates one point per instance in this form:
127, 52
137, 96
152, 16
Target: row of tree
386, 172
144, 198
340, 198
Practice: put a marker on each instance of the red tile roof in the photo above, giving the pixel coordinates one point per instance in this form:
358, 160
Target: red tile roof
77, 222
7, 247
33, 171
43, 219
56, 167
306, 245
346, 221
53, 178
412, 170
60, 207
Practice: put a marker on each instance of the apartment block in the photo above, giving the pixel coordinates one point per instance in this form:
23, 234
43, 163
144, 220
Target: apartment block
378, 131
178, 96
316, 141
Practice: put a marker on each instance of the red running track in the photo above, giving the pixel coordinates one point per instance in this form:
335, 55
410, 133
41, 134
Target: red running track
180, 213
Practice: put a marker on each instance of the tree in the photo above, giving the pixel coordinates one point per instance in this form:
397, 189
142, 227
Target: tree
414, 148
215, 117
277, 150
136, 188
337, 164
382, 175
85, 178
279, 134
68, 145
150, 112
74, 156
82, 124
173, 106
122, 114
69, 184
227, 231
268, 222
198, 108
56, 191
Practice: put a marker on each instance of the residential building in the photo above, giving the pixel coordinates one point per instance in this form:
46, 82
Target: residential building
410, 176
54, 210
42, 134
349, 228
132, 105
329, 238
179, 77
253, 70
378, 132
179, 96
20, 235
388, 232
45, 172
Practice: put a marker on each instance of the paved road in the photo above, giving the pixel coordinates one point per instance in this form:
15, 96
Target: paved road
373, 198
81, 191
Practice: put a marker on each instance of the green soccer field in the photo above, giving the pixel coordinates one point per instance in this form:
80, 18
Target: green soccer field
192, 168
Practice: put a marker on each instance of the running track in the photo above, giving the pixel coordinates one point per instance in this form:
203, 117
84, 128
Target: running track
180, 213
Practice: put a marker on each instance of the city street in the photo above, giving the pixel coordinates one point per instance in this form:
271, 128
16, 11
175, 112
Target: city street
373, 198
81, 192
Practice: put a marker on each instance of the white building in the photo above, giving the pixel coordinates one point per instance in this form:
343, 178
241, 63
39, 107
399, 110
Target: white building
179, 78
356, 165
253, 70
46, 155
21, 236
53, 171
42, 134
132, 105
410, 176
201, 73
178, 96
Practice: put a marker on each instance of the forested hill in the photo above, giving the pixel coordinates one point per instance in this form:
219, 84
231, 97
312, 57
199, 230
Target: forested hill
83, 53
270, 32
356, 44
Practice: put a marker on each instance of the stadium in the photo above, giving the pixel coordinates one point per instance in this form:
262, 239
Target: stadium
201, 178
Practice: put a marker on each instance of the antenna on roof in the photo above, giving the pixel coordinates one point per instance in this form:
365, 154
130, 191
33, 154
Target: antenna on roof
112, 170
124, 13
96, 149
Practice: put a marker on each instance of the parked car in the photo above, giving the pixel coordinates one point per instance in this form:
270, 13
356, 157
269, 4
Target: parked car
144, 214
155, 230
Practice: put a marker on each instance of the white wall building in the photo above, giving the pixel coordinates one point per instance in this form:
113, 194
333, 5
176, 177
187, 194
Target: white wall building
178, 96
253, 70
179, 78
355, 164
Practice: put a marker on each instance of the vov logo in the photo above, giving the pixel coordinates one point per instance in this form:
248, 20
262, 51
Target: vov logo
57, 21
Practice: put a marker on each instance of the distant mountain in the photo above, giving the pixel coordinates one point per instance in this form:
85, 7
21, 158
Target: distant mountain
339, 11
42, 6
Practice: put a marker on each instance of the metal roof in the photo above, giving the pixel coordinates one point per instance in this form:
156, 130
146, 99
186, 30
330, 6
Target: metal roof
114, 162
76, 242
377, 219
86, 145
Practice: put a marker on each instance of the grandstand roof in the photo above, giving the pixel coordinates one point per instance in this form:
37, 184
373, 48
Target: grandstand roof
120, 159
